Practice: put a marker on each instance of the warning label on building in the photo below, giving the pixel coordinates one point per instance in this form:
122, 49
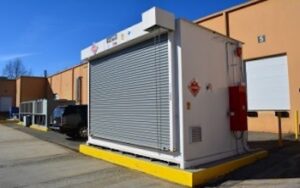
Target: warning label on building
194, 87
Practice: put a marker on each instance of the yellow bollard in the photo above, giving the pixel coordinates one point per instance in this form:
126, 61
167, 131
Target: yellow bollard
296, 125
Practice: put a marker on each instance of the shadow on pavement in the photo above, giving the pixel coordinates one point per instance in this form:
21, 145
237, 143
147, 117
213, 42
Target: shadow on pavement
51, 136
282, 163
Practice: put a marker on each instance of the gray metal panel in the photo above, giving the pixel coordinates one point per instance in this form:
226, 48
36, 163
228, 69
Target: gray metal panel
26, 107
40, 107
129, 95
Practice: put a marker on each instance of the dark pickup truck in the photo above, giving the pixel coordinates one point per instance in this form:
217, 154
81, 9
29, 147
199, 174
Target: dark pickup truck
70, 120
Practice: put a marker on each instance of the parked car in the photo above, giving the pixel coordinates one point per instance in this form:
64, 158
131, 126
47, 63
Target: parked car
70, 120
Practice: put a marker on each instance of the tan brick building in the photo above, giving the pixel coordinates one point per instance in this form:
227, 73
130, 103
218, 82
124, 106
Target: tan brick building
269, 29
70, 84
7, 94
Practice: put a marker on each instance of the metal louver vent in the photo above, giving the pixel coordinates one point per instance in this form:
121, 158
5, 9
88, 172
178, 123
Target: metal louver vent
39, 107
195, 134
26, 107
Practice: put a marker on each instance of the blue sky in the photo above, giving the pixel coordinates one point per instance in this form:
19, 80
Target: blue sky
49, 34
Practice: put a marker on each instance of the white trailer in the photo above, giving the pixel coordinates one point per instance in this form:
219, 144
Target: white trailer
159, 89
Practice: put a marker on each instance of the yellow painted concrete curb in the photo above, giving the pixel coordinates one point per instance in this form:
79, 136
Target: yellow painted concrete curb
9, 121
207, 174
39, 127
172, 174
20, 123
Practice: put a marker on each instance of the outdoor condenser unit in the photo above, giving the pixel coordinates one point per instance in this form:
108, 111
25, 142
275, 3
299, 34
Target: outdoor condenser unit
40, 110
160, 89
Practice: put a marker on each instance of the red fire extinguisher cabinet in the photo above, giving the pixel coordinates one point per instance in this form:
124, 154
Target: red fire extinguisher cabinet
238, 108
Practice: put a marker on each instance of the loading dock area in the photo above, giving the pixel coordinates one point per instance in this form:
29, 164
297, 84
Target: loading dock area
153, 96
270, 31
167, 97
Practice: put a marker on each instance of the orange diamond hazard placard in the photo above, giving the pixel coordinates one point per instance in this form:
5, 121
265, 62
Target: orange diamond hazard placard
194, 87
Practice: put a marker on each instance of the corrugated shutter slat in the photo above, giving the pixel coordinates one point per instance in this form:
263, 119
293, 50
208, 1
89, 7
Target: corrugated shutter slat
129, 95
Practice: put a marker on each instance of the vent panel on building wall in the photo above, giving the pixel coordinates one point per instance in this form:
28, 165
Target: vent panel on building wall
129, 95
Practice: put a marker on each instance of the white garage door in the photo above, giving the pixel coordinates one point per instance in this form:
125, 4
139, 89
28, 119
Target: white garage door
268, 84
5, 104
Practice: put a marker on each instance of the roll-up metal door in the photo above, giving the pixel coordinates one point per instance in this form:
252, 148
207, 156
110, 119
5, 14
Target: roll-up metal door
268, 83
129, 95
5, 104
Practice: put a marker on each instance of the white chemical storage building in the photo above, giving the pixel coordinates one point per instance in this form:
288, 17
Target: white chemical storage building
159, 89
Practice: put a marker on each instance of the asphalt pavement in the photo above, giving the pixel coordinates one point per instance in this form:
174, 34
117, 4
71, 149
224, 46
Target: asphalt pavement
50, 136
28, 161
280, 169
31, 158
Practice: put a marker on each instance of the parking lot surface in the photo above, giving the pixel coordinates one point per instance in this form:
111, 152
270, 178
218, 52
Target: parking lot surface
280, 169
50, 136
31, 158
27, 161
